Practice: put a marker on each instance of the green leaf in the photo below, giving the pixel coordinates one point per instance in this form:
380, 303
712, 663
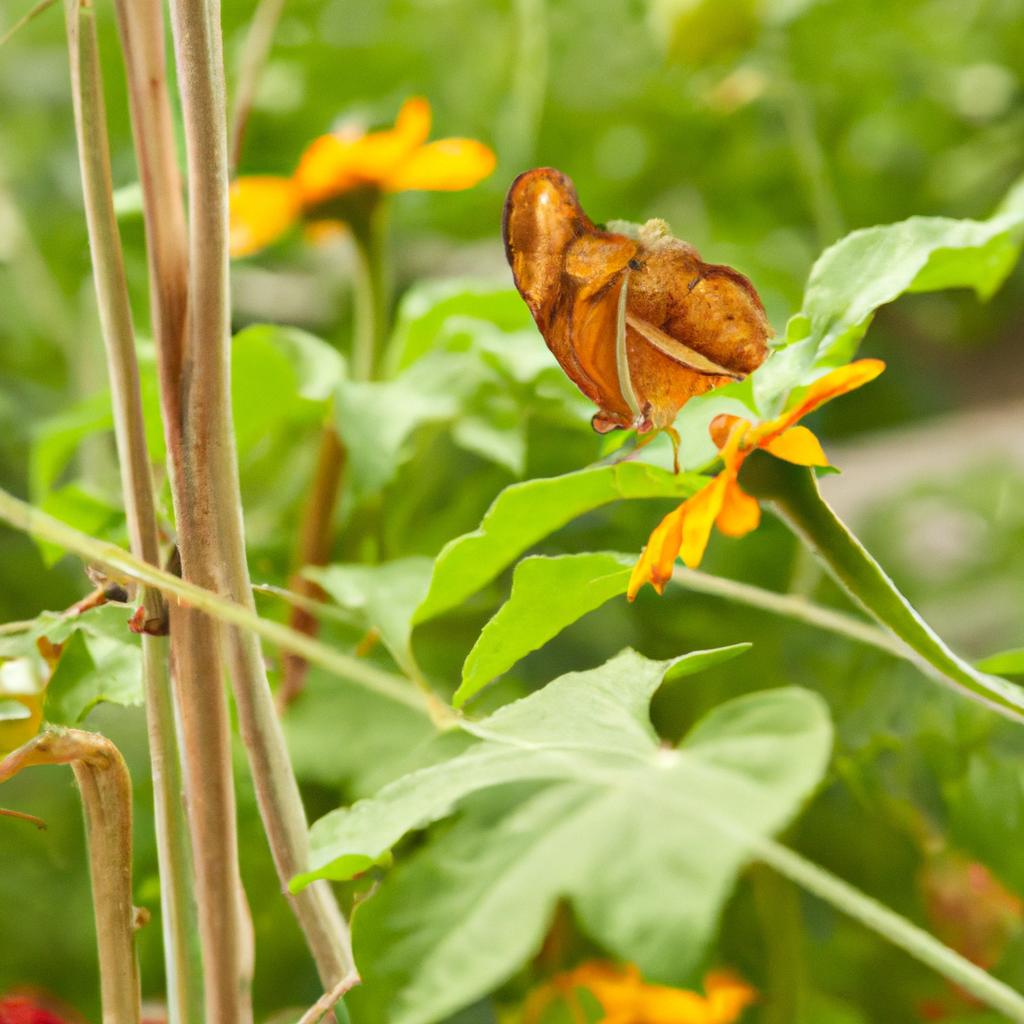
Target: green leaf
1005, 663
375, 419
344, 735
473, 907
79, 507
429, 310
57, 439
527, 512
874, 266
794, 492
547, 595
386, 596
851, 279
101, 661
315, 365
278, 375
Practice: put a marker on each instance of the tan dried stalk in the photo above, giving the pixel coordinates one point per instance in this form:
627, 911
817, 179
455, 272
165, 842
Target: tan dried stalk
180, 951
195, 639
106, 790
216, 555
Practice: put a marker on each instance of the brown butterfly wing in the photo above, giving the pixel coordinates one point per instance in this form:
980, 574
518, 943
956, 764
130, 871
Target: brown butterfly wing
691, 326
569, 272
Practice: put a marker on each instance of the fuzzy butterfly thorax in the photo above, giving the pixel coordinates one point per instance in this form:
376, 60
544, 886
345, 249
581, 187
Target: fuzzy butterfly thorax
634, 317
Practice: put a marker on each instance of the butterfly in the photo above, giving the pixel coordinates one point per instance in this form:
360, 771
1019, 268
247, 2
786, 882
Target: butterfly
635, 318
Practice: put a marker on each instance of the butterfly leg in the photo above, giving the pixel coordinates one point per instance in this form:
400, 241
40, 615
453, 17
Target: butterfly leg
673, 436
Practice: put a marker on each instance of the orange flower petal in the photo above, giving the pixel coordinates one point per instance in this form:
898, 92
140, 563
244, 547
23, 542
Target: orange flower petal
797, 445
701, 512
326, 168
740, 513
262, 209
659, 556
728, 996
833, 384
335, 163
447, 165
413, 121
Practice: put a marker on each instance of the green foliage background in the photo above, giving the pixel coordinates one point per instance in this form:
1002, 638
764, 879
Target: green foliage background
761, 139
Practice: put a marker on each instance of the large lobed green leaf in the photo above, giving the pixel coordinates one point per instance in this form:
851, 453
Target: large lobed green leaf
462, 916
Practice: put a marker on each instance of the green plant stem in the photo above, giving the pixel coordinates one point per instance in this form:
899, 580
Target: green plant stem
316, 532
258, 41
314, 548
213, 470
106, 791
30, 15
121, 564
778, 910
182, 965
793, 607
793, 490
890, 925
371, 288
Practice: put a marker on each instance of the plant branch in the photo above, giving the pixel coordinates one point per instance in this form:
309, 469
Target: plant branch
106, 792
902, 933
313, 548
218, 547
798, 609
196, 652
120, 563
258, 41
794, 492
180, 952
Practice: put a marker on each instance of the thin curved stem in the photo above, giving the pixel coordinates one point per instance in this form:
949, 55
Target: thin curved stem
793, 490
106, 791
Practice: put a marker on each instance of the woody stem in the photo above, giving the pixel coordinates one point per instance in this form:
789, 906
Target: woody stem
181, 955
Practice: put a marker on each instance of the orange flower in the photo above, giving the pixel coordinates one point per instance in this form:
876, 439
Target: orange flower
626, 998
398, 159
685, 531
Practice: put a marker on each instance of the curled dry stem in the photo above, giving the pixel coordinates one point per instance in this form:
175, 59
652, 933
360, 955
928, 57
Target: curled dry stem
105, 786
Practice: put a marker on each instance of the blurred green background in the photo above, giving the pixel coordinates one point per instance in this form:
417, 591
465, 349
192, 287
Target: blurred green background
761, 132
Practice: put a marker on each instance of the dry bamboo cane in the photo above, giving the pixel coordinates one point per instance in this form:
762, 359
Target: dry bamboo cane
212, 472
195, 639
182, 966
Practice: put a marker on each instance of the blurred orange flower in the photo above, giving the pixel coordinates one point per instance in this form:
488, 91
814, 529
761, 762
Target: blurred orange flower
397, 159
626, 998
685, 531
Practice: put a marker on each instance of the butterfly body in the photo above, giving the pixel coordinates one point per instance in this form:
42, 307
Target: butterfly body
680, 328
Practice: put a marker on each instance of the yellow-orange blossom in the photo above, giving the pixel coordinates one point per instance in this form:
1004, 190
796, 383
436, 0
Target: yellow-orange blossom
398, 159
685, 531
626, 998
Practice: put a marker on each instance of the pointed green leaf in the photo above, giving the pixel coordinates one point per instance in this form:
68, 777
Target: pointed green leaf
527, 512
548, 594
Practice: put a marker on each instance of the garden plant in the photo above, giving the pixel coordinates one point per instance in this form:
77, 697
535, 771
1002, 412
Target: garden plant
340, 451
